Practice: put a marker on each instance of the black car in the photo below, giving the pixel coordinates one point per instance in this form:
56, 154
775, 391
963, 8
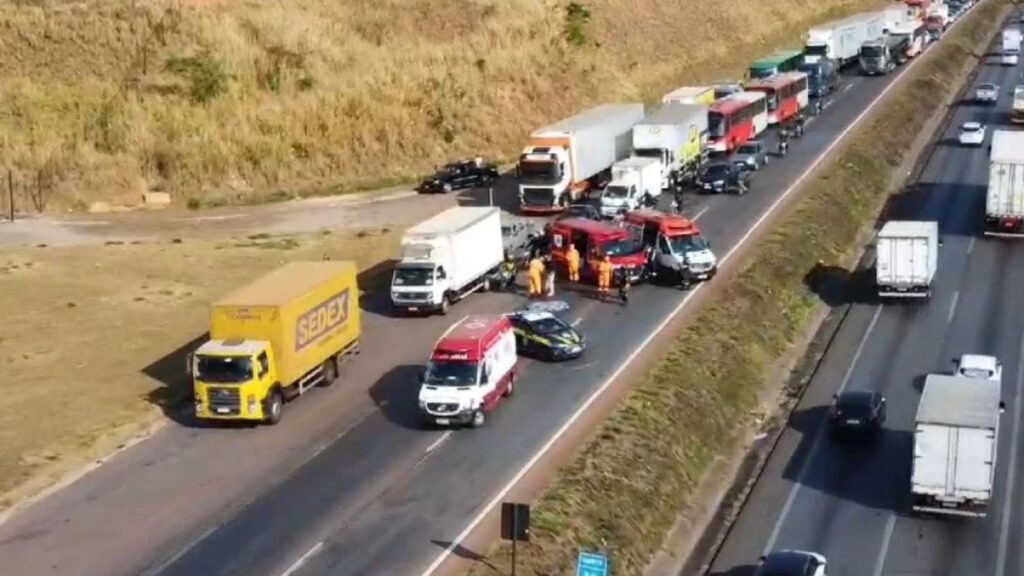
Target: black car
792, 563
859, 411
459, 176
725, 176
541, 334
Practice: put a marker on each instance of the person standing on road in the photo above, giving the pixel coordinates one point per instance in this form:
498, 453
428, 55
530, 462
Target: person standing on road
572, 259
549, 278
508, 269
535, 274
604, 277
622, 279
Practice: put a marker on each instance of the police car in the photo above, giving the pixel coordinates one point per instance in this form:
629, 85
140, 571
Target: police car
541, 334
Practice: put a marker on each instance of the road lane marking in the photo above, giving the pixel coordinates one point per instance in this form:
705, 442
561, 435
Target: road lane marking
952, 307
970, 245
890, 526
576, 322
496, 500
1004, 522
302, 560
812, 455
438, 442
163, 565
700, 213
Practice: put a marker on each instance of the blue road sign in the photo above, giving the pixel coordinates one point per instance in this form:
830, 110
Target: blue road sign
590, 564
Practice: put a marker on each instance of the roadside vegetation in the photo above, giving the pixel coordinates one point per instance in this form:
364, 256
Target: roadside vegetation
224, 101
622, 492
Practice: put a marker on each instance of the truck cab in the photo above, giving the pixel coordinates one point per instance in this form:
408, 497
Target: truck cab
593, 240
230, 379
979, 366
544, 178
472, 366
822, 76
678, 251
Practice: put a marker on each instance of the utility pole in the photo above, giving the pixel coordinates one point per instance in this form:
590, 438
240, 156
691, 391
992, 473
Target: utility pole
10, 192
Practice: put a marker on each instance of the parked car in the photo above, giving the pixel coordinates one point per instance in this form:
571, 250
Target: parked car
792, 563
754, 153
459, 176
987, 93
859, 411
972, 134
541, 334
721, 177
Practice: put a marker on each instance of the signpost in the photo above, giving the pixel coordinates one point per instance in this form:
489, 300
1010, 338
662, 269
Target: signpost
591, 564
515, 526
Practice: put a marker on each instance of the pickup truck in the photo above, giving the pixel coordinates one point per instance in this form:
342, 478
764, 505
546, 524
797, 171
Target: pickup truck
721, 177
459, 176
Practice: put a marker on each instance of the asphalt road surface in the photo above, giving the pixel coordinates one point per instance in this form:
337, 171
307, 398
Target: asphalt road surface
347, 483
851, 502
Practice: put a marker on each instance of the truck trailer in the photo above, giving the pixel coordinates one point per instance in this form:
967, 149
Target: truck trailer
1017, 108
691, 95
677, 135
1004, 200
841, 40
956, 434
564, 160
906, 259
275, 339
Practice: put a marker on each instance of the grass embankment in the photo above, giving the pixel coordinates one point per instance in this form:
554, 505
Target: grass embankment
253, 100
623, 491
89, 335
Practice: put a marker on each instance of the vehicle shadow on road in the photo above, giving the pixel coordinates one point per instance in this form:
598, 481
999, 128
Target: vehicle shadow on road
461, 551
175, 385
396, 394
836, 286
505, 194
871, 472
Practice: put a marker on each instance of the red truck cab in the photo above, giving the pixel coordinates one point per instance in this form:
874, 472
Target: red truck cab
594, 239
472, 366
677, 250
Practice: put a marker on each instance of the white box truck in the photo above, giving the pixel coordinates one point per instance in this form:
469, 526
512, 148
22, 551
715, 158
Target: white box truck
635, 182
1004, 200
677, 135
956, 432
1010, 53
446, 258
895, 16
841, 40
907, 254
566, 159
1017, 109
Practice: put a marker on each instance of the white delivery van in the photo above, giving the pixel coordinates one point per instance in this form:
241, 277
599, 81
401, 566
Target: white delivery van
635, 182
446, 258
906, 258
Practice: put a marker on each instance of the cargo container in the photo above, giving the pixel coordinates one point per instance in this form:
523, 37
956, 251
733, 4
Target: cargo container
691, 95
275, 339
841, 40
906, 259
677, 135
566, 159
1004, 200
1017, 109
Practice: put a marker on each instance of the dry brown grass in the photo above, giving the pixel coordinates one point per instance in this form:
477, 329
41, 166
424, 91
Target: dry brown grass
83, 326
368, 92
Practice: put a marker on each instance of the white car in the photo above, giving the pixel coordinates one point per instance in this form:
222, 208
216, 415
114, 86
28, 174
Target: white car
987, 93
972, 134
979, 366
792, 563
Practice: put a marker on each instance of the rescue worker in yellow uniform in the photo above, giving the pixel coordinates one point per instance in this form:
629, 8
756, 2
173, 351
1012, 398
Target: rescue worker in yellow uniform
604, 276
572, 258
536, 276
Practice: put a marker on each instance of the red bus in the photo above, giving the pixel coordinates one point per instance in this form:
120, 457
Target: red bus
786, 94
735, 119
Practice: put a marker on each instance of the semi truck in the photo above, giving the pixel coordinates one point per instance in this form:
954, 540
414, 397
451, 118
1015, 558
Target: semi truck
677, 135
882, 56
274, 340
906, 259
956, 434
446, 258
1004, 200
1017, 110
691, 95
635, 182
1010, 52
841, 40
566, 159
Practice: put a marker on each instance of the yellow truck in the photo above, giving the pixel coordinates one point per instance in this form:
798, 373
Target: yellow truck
275, 339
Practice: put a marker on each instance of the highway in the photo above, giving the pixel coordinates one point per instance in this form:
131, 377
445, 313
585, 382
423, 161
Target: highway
347, 483
851, 502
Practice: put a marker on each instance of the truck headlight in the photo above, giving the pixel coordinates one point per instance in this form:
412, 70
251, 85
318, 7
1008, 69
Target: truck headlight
198, 402
251, 400
396, 295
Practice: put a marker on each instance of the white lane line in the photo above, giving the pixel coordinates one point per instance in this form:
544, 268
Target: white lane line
700, 213
1004, 523
812, 455
952, 307
496, 500
850, 86
890, 526
970, 245
438, 442
305, 557
163, 565
576, 322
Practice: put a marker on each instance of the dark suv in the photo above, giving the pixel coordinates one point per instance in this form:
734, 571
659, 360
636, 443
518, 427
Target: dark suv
459, 176
721, 177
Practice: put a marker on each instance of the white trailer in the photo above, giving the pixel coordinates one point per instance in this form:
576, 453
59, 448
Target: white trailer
677, 135
1004, 201
956, 432
635, 182
907, 254
446, 258
895, 16
562, 161
841, 40
1017, 111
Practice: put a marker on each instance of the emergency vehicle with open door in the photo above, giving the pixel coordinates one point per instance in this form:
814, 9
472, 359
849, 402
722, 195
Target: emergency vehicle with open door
593, 239
676, 249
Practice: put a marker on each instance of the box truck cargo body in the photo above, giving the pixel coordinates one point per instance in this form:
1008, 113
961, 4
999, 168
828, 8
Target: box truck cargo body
841, 40
906, 258
447, 258
704, 95
956, 433
1004, 200
677, 135
274, 339
562, 161
635, 182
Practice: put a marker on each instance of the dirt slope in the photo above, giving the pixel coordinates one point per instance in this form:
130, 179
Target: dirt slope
105, 99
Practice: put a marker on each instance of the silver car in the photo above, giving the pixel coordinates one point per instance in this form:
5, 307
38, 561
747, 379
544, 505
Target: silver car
987, 93
754, 154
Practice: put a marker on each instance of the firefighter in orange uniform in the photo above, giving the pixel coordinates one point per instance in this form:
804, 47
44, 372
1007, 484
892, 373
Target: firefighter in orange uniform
536, 276
604, 276
572, 258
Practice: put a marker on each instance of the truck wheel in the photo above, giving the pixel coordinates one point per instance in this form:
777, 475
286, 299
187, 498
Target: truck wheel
478, 418
275, 404
511, 384
445, 303
330, 372
486, 285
